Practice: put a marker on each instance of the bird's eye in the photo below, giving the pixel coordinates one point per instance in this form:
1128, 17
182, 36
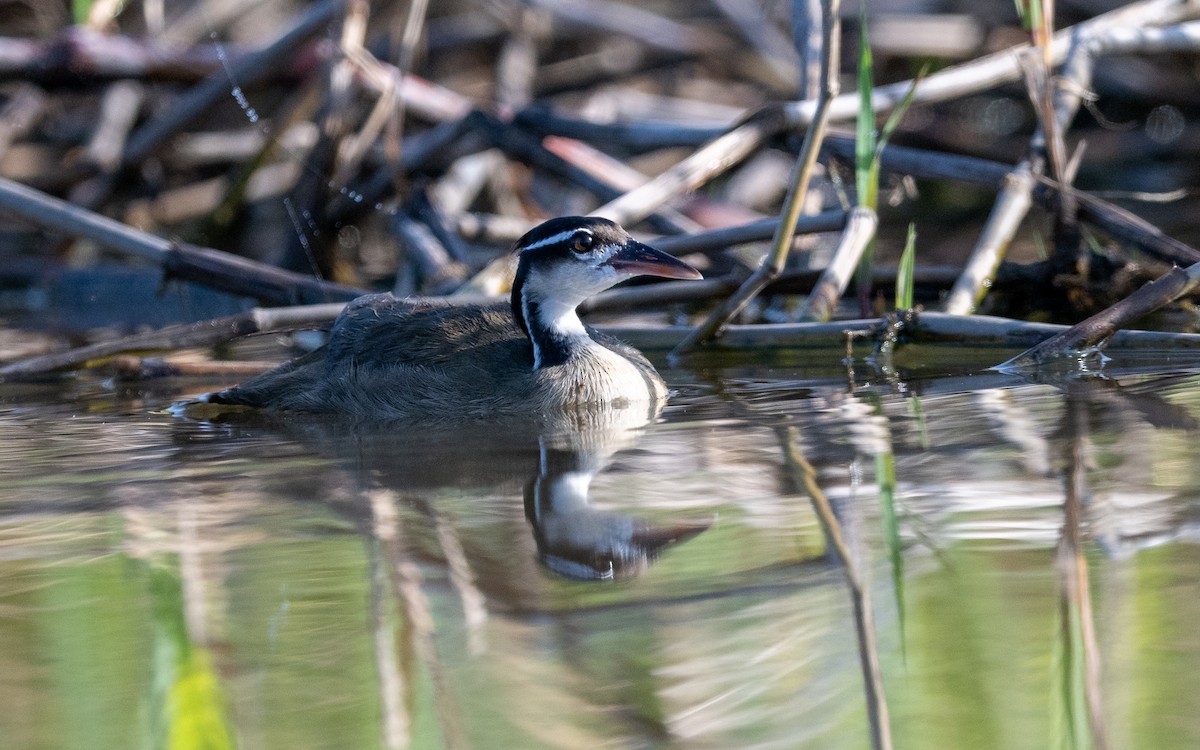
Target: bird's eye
581, 242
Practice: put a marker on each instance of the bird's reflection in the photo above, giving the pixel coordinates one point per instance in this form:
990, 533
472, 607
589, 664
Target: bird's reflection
554, 460
580, 542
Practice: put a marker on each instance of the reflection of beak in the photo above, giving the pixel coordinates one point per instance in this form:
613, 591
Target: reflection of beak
636, 259
653, 539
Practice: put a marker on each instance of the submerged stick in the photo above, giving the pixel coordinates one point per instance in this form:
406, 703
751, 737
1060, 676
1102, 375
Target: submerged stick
978, 331
1153, 295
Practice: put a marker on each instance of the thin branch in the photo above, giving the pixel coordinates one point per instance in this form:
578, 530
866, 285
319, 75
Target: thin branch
204, 333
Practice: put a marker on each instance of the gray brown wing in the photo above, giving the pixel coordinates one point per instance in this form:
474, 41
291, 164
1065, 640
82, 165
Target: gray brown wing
380, 330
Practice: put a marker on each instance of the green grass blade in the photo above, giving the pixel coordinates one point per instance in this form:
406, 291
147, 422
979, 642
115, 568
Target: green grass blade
866, 165
904, 273
864, 141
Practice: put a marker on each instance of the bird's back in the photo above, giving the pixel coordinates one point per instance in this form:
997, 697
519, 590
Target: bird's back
389, 358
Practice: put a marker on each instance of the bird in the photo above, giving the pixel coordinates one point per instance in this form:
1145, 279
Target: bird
430, 360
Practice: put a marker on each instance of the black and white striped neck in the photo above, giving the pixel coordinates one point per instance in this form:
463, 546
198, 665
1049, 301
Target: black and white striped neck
553, 327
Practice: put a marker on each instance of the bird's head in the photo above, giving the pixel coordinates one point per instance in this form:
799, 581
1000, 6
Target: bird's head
564, 261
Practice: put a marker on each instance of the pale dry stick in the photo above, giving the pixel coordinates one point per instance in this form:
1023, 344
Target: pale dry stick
1078, 69
1045, 99
781, 245
1007, 214
119, 109
517, 65
612, 172
860, 594
710, 161
355, 145
421, 97
339, 96
731, 148
464, 181
102, 13
155, 18
822, 302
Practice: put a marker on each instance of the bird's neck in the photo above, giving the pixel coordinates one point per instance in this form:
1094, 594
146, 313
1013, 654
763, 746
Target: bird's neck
554, 328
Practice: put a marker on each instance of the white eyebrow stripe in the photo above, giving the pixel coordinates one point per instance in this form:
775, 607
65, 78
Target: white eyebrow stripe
553, 240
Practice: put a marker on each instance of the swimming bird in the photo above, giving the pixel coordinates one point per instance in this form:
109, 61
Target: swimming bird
391, 358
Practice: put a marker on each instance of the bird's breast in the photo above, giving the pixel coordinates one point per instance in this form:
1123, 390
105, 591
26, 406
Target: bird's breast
598, 375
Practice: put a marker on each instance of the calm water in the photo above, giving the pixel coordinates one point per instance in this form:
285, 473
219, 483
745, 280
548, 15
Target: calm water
1028, 554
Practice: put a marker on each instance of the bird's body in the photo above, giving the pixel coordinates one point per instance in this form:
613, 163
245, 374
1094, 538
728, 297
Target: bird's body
391, 358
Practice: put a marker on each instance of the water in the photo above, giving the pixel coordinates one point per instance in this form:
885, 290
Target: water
171, 582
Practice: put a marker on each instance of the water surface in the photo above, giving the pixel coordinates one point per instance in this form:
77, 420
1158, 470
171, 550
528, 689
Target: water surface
1028, 553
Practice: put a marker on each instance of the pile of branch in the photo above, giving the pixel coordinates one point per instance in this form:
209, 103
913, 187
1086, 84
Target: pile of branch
406, 145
